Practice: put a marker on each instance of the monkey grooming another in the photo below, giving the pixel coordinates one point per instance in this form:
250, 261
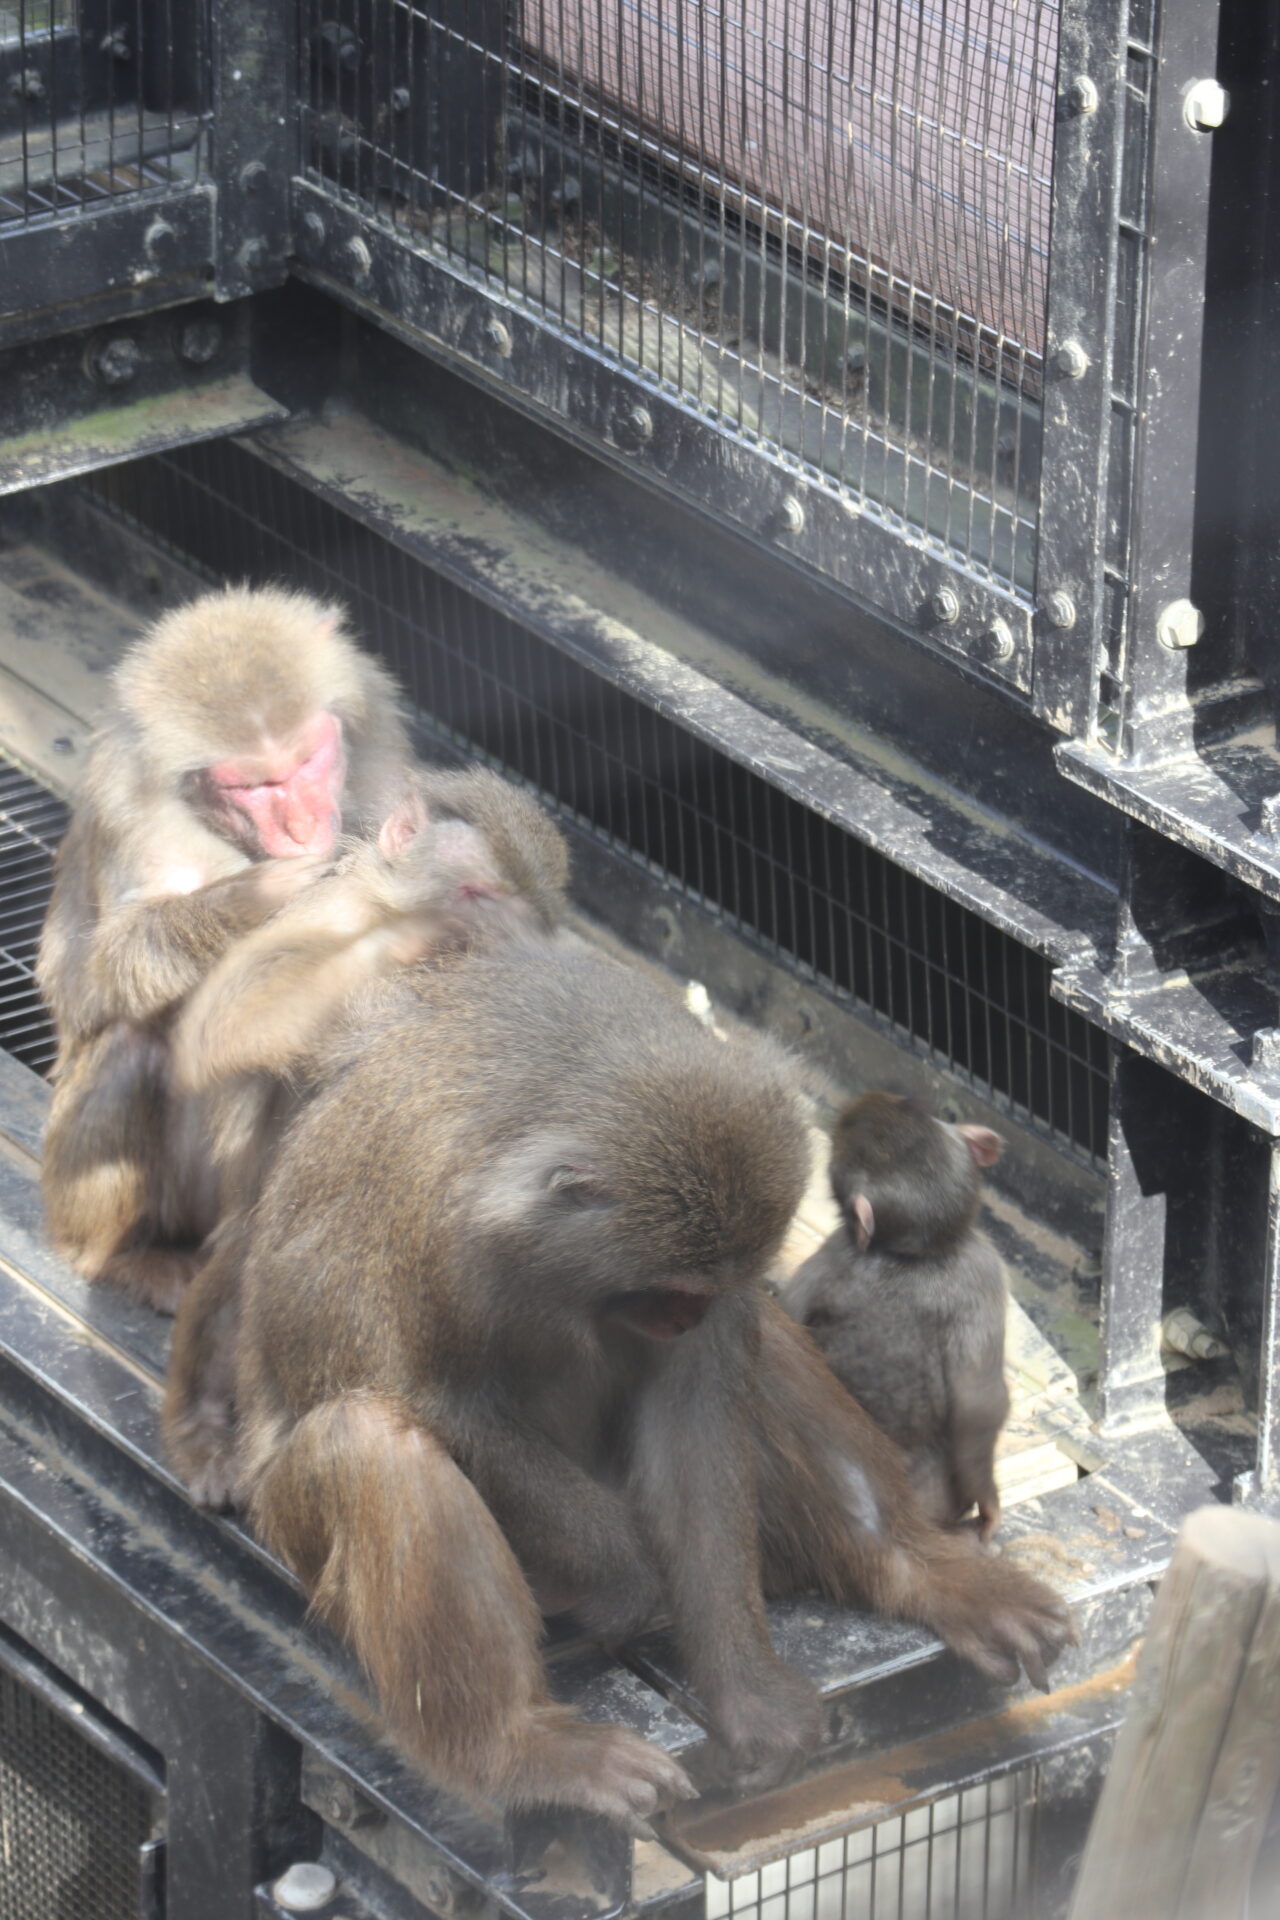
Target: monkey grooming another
467, 861
504, 1342
242, 733
907, 1300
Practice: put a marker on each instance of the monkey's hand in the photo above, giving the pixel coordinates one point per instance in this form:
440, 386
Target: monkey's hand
604, 1769
276, 882
765, 1730
991, 1612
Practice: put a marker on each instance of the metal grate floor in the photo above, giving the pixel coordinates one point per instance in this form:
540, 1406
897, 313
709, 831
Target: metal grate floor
32, 821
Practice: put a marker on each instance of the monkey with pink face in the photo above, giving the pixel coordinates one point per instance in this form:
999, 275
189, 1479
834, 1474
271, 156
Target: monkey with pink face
244, 732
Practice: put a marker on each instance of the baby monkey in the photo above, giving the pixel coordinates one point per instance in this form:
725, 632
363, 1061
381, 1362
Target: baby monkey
907, 1299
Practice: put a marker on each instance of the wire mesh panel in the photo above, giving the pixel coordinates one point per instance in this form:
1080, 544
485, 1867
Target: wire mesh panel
72, 1822
966, 1857
99, 101
818, 900
32, 822
825, 225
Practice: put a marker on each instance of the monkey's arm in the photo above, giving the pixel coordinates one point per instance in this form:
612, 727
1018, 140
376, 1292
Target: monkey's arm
816, 1283
149, 954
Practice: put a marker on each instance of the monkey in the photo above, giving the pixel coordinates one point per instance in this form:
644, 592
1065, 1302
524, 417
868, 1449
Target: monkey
467, 859
243, 731
907, 1298
560, 1383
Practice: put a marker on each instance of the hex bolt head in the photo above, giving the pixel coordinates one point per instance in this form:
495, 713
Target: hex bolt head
160, 241
1060, 610
313, 229
358, 259
944, 606
997, 641
199, 342
1179, 625
499, 337
1071, 360
115, 362
791, 518
1082, 95
401, 99
1205, 106
305, 1887
252, 256
640, 425
253, 176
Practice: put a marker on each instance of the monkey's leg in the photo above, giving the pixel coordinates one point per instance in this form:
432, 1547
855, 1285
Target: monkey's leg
198, 1420
837, 1512
401, 1556
694, 1482
104, 1150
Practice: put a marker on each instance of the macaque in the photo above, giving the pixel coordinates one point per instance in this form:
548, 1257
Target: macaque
505, 1347
243, 733
468, 860
907, 1299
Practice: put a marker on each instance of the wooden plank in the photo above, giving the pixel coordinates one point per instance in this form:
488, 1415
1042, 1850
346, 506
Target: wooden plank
1196, 1764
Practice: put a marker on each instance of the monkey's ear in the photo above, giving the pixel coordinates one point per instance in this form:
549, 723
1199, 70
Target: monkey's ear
578, 1187
398, 829
984, 1143
862, 1221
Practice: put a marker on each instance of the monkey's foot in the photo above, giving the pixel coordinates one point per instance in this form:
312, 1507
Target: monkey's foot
158, 1276
568, 1763
1002, 1619
764, 1732
201, 1445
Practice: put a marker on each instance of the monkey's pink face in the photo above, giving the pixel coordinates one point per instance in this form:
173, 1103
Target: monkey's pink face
285, 800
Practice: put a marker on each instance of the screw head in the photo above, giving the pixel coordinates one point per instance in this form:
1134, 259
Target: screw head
792, 515
1060, 610
358, 258
199, 342
253, 176
1071, 360
1082, 95
1204, 106
498, 337
160, 241
252, 256
996, 642
944, 606
115, 362
640, 425
313, 228
1179, 625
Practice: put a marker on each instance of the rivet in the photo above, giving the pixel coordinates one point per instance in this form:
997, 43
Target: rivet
1082, 95
252, 256
499, 337
313, 228
944, 606
640, 424
1205, 106
253, 176
358, 258
305, 1887
1071, 360
160, 241
1060, 610
1179, 625
792, 514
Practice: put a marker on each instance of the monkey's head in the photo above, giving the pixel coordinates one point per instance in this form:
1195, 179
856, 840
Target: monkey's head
479, 847
904, 1181
671, 1184
245, 704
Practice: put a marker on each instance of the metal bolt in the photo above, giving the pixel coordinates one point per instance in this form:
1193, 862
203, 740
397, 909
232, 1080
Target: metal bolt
358, 258
253, 176
640, 424
944, 606
1179, 625
115, 362
1082, 95
1060, 610
996, 642
1205, 106
313, 228
160, 241
199, 342
252, 256
792, 514
305, 1887
116, 43
1071, 360
27, 85
401, 99
499, 337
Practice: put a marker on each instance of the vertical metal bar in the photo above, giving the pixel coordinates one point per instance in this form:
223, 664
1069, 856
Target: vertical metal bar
1263, 1484
254, 143
1130, 1375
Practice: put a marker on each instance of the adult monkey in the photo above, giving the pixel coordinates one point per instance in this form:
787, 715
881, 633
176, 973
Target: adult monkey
560, 1381
243, 731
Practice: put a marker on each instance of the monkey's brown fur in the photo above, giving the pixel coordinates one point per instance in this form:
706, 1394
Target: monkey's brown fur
907, 1299
162, 870
468, 861
559, 1378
